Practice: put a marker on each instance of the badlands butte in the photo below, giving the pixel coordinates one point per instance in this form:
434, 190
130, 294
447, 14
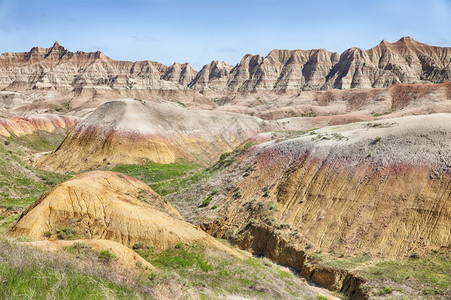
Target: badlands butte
303, 174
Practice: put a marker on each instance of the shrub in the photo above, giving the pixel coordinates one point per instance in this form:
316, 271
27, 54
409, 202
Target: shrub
138, 245
387, 290
271, 205
206, 201
106, 256
67, 233
237, 194
79, 246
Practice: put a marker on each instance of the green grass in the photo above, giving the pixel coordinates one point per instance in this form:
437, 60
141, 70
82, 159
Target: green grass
46, 283
6, 221
41, 141
181, 257
27, 273
161, 177
214, 273
428, 274
431, 271
343, 263
20, 182
155, 172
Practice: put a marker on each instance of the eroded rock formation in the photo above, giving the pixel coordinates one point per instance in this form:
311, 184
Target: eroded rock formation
134, 131
111, 206
381, 187
405, 61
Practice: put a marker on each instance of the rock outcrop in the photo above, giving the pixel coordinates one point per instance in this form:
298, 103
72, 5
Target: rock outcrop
59, 68
135, 131
213, 76
381, 187
109, 206
56, 68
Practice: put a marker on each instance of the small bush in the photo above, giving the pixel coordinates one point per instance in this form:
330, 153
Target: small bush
106, 256
206, 201
434, 291
79, 246
271, 205
48, 234
248, 145
415, 256
138, 245
237, 194
67, 233
386, 291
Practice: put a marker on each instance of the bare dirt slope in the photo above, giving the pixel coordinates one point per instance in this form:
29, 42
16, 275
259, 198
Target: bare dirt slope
134, 131
380, 187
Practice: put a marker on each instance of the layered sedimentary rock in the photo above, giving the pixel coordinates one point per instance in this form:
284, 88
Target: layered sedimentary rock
406, 61
109, 206
283, 70
135, 131
180, 73
213, 76
19, 126
381, 187
59, 68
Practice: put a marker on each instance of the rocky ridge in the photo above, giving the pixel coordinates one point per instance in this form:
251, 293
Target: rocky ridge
406, 61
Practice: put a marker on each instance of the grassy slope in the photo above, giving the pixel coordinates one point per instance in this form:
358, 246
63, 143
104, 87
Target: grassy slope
403, 278
28, 273
193, 271
20, 183
161, 177
211, 274
429, 275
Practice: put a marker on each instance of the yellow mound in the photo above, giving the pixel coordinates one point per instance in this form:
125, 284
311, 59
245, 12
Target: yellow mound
111, 206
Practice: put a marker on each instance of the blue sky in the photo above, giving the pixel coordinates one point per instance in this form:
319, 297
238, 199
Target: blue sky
198, 31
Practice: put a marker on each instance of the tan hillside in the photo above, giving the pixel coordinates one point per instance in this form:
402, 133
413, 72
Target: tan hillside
380, 187
134, 131
110, 206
